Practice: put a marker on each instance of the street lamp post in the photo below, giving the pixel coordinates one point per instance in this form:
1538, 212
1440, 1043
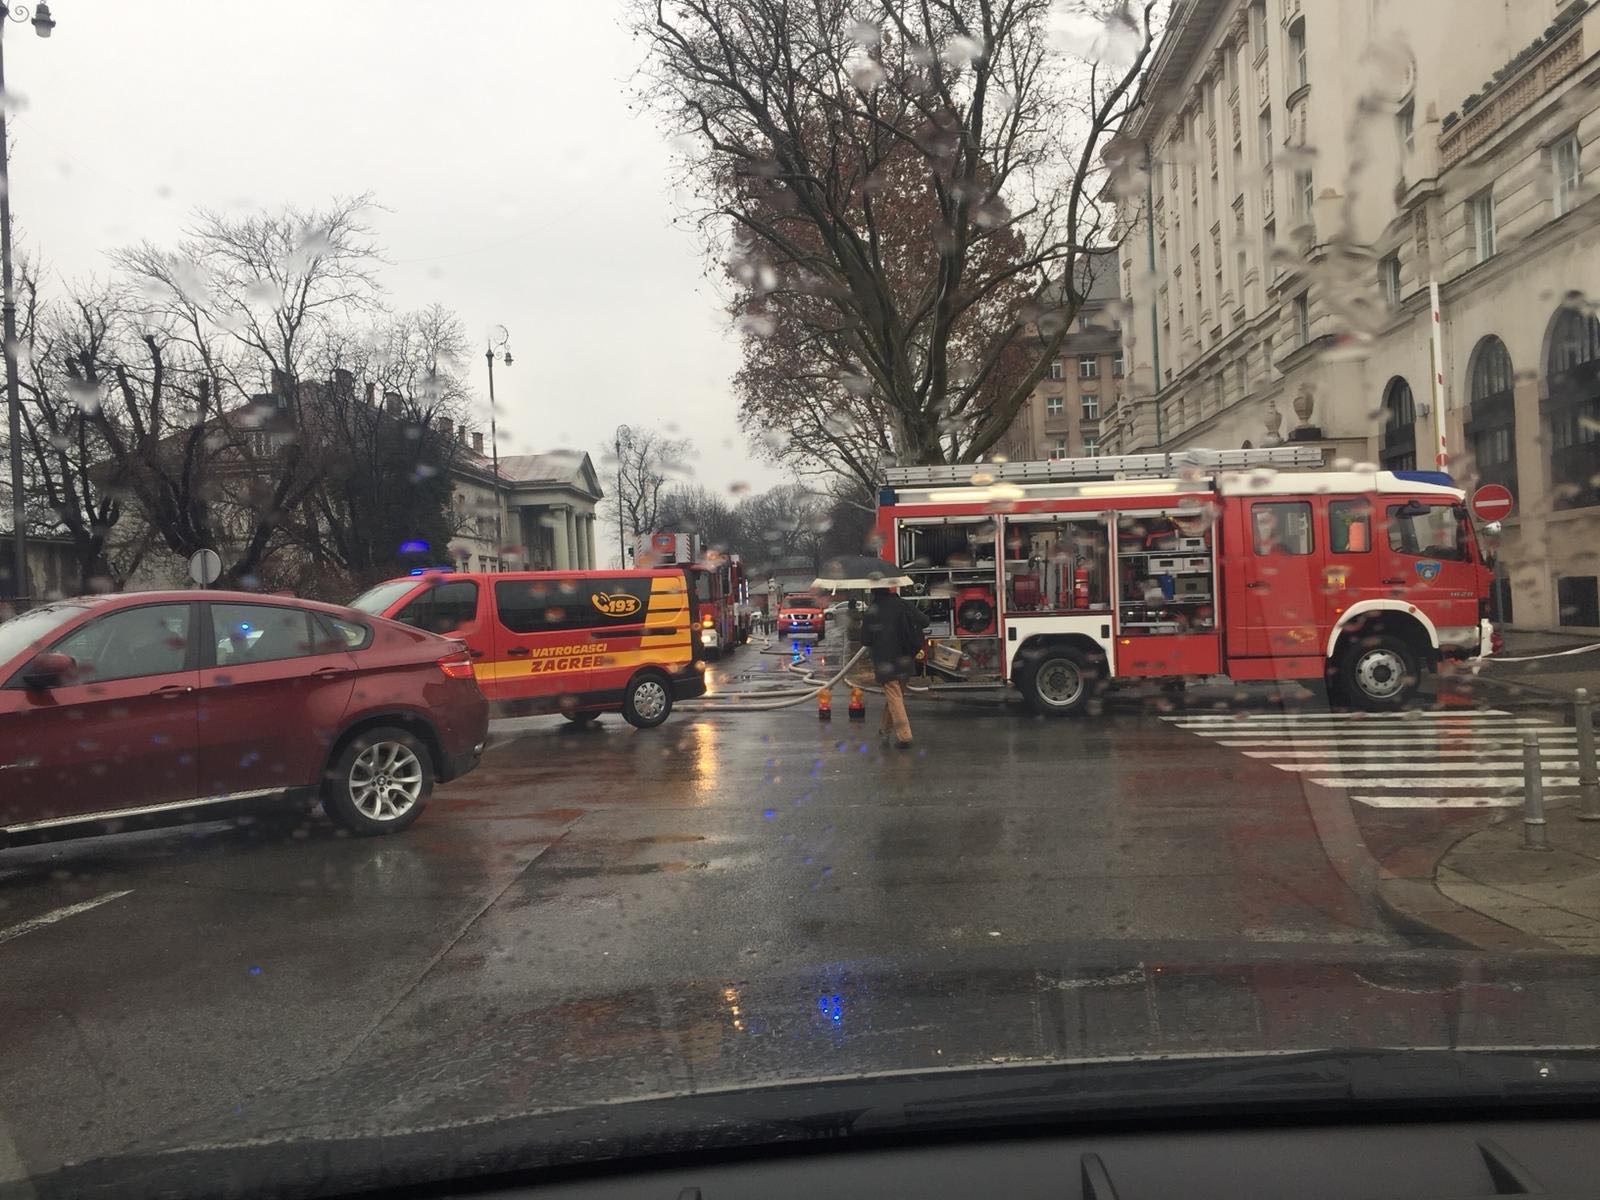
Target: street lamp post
498, 340
42, 25
622, 541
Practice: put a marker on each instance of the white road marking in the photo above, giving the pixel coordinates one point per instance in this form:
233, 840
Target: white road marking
1415, 728
1399, 760
1437, 801
1478, 783
1253, 718
1492, 754
59, 914
1511, 768
1404, 743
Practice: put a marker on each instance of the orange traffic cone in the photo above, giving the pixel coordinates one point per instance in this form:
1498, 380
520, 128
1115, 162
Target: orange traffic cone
858, 705
825, 705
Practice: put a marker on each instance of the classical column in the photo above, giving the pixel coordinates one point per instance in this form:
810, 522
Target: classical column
583, 545
589, 538
558, 531
572, 536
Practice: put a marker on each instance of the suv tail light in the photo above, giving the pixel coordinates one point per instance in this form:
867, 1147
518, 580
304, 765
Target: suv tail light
707, 621
457, 664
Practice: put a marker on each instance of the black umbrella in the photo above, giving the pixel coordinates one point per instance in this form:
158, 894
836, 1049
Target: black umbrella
851, 572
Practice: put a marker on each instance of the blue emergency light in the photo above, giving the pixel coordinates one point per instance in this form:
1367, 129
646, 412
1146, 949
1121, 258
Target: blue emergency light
1442, 478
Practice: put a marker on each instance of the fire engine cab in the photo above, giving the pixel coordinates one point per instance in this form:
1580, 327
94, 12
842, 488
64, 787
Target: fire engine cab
721, 590
1060, 577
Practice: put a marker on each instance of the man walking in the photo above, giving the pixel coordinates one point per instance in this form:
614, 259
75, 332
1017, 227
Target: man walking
893, 633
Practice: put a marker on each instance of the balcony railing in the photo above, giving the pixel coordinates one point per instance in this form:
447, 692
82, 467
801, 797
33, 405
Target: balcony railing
1515, 94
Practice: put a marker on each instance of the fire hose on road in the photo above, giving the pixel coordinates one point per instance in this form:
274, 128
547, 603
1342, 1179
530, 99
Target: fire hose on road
764, 700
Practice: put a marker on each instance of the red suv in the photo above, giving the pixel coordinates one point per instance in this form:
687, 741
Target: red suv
139, 706
802, 615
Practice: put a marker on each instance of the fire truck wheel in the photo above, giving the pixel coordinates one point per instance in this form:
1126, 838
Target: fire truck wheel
1379, 673
648, 700
1057, 682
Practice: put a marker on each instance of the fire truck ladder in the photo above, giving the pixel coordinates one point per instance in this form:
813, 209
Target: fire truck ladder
1109, 467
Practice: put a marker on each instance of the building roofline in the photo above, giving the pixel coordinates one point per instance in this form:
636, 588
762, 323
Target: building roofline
1190, 23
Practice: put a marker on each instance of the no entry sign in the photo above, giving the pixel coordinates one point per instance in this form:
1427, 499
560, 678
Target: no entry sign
1492, 502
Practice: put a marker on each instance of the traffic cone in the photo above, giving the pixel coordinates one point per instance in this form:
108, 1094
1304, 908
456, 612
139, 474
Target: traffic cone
825, 704
858, 705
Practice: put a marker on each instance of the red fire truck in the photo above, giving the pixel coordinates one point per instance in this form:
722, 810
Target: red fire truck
1059, 577
721, 589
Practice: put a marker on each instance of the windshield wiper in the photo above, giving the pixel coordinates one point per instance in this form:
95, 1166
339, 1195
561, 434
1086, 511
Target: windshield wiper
1321, 1080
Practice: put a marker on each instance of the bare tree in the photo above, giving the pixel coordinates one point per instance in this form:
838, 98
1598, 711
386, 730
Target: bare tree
63, 450
383, 426
906, 192
643, 462
692, 508
208, 430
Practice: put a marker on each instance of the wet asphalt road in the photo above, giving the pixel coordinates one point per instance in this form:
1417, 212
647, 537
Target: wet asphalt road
725, 901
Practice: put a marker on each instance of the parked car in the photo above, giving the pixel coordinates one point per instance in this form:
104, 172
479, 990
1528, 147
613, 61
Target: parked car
580, 643
153, 705
801, 615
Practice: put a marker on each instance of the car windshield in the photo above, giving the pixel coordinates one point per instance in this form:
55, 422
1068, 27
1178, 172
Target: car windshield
653, 579
33, 628
379, 599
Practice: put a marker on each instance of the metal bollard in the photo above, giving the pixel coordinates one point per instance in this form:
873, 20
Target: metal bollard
1534, 835
1588, 777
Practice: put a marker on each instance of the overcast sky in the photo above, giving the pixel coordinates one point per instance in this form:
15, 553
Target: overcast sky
520, 188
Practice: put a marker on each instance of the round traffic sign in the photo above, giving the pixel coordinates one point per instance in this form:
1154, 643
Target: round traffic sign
1492, 502
205, 566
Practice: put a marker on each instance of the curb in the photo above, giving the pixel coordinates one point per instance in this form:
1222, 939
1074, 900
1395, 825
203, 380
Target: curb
1417, 906
1530, 693
1411, 905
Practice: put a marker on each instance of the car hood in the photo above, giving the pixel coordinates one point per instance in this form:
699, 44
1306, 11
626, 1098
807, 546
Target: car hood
861, 1049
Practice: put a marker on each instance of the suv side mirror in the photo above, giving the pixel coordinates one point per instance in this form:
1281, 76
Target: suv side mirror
48, 670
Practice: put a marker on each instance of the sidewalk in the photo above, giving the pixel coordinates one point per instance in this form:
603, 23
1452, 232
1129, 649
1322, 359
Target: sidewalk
1543, 678
1553, 896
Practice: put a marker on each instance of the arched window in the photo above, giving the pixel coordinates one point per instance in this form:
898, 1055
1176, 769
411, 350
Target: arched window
1397, 448
1572, 414
1491, 425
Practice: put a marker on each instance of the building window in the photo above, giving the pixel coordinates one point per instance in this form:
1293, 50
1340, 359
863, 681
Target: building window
1302, 318
1053, 406
1118, 368
1480, 210
1258, 27
1405, 128
1299, 70
1057, 371
1088, 367
1491, 423
1058, 451
1397, 446
1305, 195
1091, 445
1266, 136
1091, 408
1566, 160
1573, 408
1578, 597
1389, 278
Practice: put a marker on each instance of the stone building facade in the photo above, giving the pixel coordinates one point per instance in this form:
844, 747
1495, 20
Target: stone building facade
1315, 170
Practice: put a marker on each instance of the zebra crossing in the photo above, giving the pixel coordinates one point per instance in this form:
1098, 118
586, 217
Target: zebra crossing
1409, 760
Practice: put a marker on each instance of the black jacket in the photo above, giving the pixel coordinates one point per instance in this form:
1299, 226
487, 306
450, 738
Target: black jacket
893, 631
